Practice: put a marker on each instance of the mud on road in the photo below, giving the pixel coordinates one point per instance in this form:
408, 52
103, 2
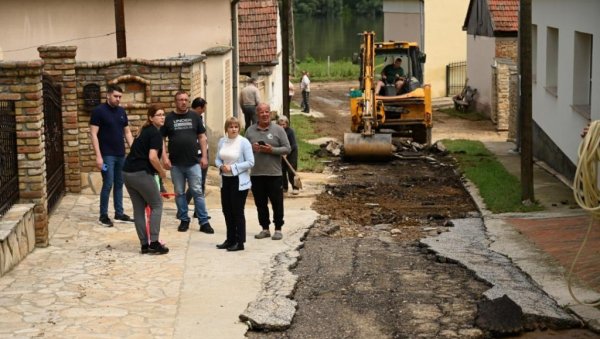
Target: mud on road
362, 273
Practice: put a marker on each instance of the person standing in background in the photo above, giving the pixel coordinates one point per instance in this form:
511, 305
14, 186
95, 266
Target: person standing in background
141, 165
199, 106
305, 87
249, 99
291, 93
292, 158
108, 127
269, 143
234, 160
185, 132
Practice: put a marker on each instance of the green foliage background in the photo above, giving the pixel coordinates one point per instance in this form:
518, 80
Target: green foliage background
337, 7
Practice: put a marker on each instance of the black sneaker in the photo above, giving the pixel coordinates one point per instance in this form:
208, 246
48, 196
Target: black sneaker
123, 218
183, 226
156, 247
105, 221
205, 228
144, 249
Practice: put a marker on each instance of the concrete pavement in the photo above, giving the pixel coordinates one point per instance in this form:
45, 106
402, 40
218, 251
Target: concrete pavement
92, 282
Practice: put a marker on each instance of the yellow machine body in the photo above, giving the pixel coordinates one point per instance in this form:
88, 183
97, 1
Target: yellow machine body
375, 118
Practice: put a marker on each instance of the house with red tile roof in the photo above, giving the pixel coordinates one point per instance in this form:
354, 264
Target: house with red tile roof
492, 30
260, 49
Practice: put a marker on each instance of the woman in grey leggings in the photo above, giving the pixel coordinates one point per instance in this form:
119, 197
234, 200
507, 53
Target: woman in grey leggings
141, 167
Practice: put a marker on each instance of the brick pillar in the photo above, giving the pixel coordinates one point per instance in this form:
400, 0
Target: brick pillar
22, 83
502, 93
59, 63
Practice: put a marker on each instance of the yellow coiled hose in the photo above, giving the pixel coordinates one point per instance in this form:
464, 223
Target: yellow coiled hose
585, 189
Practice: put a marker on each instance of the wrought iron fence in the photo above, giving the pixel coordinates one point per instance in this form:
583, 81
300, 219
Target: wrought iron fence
456, 76
53, 134
9, 172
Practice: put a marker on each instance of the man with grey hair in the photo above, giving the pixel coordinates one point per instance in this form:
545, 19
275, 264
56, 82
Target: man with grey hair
249, 99
269, 143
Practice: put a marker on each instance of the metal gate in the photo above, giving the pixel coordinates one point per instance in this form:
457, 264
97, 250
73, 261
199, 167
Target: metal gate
456, 77
53, 133
9, 170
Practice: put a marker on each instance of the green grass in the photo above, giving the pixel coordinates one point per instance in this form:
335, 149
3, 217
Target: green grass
307, 161
321, 71
472, 116
500, 190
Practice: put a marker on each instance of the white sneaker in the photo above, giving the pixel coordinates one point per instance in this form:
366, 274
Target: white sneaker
277, 235
295, 191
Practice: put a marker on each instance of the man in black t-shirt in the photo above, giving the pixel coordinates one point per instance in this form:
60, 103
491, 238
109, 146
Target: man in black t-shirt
185, 132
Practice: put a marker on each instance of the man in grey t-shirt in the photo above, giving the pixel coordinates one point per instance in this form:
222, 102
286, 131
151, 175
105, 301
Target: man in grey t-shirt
269, 142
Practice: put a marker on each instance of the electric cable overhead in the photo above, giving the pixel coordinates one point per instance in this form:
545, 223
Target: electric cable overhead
60, 42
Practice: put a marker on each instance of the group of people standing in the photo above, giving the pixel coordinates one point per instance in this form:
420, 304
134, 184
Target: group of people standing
253, 162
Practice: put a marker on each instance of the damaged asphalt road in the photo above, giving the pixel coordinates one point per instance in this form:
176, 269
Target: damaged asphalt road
401, 252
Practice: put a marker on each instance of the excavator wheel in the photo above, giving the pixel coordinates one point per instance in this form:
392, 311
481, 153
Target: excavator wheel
376, 147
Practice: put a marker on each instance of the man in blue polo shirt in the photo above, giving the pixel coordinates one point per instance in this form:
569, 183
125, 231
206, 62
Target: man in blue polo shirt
108, 127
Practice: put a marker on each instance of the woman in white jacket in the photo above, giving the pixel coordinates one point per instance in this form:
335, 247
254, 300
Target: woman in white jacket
234, 160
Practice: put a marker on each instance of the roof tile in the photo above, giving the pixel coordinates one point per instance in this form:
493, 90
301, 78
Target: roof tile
505, 15
257, 31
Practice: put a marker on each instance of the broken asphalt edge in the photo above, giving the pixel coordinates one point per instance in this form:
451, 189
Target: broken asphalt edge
530, 293
273, 309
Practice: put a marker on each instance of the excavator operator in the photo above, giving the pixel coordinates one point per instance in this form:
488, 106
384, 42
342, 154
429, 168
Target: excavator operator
392, 74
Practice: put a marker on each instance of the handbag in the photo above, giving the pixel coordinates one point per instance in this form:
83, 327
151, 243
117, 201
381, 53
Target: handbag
297, 180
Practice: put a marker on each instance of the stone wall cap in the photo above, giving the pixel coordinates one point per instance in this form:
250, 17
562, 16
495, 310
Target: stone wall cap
176, 61
57, 49
217, 50
22, 64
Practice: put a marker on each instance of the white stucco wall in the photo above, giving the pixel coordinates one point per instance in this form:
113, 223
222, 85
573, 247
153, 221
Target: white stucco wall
155, 29
480, 58
445, 41
553, 113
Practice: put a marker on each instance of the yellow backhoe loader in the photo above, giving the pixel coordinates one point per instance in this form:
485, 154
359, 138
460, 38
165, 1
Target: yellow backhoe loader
389, 107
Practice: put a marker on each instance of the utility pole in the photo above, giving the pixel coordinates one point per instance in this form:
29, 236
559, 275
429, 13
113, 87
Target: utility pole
525, 101
285, 56
120, 29
292, 39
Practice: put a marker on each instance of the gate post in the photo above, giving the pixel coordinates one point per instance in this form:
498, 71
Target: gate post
21, 82
59, 63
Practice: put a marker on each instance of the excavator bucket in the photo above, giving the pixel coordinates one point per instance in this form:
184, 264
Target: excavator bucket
376, 147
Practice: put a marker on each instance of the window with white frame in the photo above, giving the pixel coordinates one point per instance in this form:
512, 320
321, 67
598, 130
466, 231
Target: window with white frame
552, 60
582, 73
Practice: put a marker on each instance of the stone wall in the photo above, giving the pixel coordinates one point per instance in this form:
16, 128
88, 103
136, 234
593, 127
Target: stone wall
502, 101
144, 82
21, 82
17, 236
507, 48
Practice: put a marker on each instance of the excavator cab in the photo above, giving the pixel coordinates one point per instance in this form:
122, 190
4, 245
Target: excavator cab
381, 112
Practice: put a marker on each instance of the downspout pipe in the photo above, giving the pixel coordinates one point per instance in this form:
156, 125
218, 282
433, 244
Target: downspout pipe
235, 55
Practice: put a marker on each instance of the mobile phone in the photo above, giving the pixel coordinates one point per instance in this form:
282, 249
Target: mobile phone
262, 143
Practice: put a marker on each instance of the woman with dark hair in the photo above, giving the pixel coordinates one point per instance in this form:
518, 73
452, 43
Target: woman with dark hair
234, 160
139, 175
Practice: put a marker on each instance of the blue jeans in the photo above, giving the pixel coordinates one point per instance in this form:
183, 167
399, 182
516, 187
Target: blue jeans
193, 176
112, 176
